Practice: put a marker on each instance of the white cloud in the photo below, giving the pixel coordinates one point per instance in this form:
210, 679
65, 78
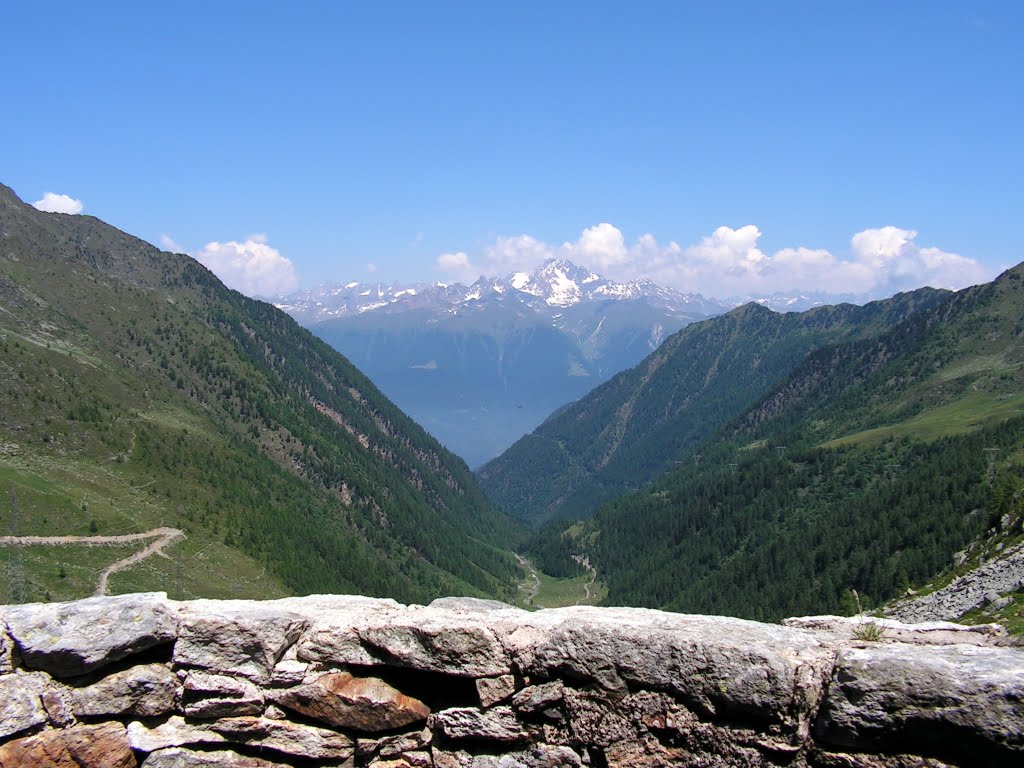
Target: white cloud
458, 265
730, 262
371, 267
894, 253
516, 254
601, 247
54, 203
168, 243
252, 267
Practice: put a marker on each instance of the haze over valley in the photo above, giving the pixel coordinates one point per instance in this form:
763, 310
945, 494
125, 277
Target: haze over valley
700, 308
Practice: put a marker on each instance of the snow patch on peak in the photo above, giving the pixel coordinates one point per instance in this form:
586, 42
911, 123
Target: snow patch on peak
564, 292
519, 279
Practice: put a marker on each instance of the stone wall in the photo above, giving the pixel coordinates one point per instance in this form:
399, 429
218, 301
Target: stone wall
350, 681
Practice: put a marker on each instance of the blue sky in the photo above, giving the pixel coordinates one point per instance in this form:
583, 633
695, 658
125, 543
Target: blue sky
721, 147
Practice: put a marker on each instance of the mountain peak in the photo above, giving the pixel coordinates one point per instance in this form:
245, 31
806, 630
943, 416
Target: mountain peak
555, 285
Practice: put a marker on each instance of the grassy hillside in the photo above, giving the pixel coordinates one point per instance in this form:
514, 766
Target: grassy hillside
873, 463
139, 391
635, 427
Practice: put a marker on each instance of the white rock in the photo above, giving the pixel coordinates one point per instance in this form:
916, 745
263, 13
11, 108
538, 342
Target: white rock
246, 640
284, 736
715, 664
174, 732
540, 756
844, 628
5, 650
960, 702
496, 724
20, 705
432, 640
208, 695
68, 639
178, 757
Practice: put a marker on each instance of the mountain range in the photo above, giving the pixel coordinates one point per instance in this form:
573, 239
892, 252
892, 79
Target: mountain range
755, 463
480, 365
139, 393
775, 462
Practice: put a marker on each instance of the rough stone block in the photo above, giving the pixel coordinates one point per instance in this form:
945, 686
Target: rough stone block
365, 704
304, 741
179, 757
81, 746
148, 690
208, 695
228, 639
20, 704
6, 662
537, 697
959, 701
493, 690
496, 724
66, 639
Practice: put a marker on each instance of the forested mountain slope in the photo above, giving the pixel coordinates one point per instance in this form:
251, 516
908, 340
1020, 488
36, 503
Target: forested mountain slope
138, 390
634, 427
874, 462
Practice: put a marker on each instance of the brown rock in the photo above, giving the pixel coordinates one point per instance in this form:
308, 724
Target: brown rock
365, 704
82, 746
492, 690
178, 757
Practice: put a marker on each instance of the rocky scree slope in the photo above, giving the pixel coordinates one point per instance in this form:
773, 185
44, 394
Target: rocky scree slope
138, 388
354, 681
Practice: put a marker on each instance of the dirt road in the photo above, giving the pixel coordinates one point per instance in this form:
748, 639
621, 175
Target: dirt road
163, 536
535, 587
585, 562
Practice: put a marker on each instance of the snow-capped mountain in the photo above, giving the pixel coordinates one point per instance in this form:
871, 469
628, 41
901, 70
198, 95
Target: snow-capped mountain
800, 301
481, 365
556, 285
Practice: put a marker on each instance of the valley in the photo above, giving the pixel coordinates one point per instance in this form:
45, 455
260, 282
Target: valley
539, 590
163, 433
140, 393
481, 365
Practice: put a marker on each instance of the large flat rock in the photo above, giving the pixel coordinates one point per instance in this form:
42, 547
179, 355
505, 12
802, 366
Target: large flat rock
66, 639
719, 666
958, 701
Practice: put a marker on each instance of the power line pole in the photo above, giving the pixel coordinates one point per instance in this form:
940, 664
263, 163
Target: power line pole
15, 561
